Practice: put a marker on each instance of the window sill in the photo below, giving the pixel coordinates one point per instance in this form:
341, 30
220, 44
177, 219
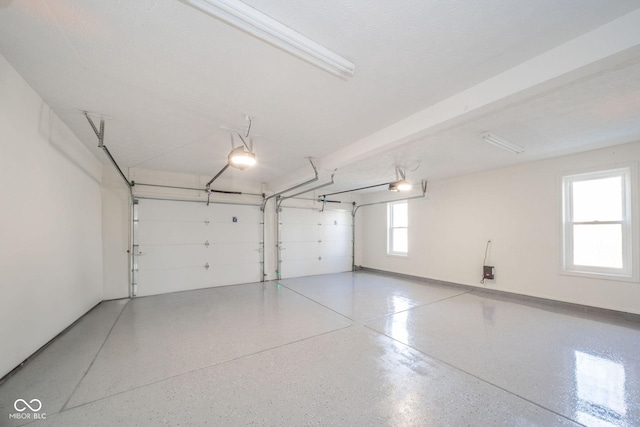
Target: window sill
601, 276
401, 256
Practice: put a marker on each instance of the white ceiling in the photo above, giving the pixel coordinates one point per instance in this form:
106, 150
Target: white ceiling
171, 79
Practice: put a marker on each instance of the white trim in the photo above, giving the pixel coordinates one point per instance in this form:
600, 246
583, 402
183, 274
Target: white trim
398, 256
629, 271
390, 229
256, 23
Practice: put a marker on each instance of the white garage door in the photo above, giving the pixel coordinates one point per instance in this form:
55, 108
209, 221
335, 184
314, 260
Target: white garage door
184, 245
314, 242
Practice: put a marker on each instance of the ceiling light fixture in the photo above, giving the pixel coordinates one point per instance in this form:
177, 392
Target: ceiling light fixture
256, 23
502, 143
241, 158
401, 184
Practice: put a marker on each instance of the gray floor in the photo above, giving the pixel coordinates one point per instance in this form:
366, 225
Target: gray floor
343, 349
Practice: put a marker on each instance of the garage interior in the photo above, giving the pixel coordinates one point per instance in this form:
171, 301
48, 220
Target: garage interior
321, 212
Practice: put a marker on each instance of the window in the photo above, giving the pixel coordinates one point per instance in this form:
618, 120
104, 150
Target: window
597, 223
398, 235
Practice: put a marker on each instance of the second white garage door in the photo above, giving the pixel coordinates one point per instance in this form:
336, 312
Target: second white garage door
314, 242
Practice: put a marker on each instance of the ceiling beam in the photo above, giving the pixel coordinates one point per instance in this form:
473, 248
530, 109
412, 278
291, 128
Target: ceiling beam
600, 49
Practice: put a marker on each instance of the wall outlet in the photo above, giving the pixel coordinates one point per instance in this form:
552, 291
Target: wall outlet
488, 272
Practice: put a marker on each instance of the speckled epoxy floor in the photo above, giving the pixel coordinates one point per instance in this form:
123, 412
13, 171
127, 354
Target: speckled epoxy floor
343, 349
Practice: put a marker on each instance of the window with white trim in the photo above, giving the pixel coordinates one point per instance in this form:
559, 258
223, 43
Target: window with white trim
597, 223
398, 232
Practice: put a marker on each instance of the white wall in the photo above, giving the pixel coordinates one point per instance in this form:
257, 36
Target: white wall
518, 208
50, 223
116, 224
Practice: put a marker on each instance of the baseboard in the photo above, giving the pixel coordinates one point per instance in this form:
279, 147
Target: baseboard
538, 302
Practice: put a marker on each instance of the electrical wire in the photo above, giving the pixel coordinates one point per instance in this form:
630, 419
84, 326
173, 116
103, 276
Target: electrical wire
249, 127
486, 250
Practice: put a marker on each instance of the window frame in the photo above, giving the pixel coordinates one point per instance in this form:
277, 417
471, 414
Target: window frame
391, 228
629, 270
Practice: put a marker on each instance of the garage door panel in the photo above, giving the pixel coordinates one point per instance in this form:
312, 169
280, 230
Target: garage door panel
234, 233
235, 274
233, 254
299, 216
163, 210
154, 257
298, 268
336, 232
299, 250
311, 267
224, 214
171, 256
337, 248
161, 281
331, 217
300, 232
336, 264
176, 279
171, 232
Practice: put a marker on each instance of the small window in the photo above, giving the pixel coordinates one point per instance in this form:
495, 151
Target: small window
597, 223
398, 233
